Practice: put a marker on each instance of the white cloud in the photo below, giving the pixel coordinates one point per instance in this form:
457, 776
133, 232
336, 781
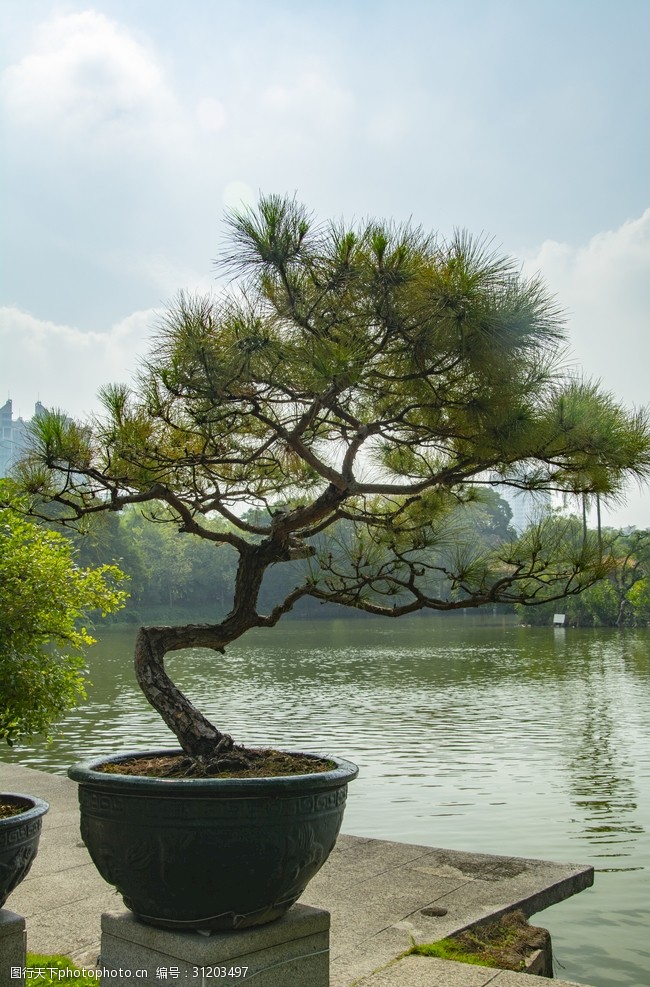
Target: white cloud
605, 286
87, 75
162, 271
238, 194
63, 366
312, 100
211, 114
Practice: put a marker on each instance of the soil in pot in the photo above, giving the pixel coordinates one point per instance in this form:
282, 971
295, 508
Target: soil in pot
241, 762
8, 809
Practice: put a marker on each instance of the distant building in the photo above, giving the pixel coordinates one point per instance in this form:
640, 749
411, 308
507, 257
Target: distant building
14, 435
526, 505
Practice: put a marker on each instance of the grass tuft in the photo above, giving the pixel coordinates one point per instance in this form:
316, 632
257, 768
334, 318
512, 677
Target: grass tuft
46, 971
504, 944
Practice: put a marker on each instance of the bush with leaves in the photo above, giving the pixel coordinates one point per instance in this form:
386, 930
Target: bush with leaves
45, 603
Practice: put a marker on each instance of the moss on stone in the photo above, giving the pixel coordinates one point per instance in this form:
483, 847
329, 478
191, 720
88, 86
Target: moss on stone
505, 944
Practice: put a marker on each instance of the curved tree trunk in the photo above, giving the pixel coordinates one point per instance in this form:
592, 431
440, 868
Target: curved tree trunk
196, 735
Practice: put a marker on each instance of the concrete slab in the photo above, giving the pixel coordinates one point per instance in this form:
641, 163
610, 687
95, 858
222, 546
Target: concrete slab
505, 978
12, 948
375, 891
418, 971
422, 971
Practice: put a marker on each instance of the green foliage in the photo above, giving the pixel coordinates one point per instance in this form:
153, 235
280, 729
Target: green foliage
46, 601
169, 575
166, 570
438, 359
46, 971
505, 943
352, 389
622, 599
638, 598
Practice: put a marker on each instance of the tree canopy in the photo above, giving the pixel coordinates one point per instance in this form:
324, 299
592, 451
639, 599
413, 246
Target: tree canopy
45, 602
622, 599
370, 379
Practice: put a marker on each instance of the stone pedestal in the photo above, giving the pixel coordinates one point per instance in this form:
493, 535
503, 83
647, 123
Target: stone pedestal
12, 949
291, 952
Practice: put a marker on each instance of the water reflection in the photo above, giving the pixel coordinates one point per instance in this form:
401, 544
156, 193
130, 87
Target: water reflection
602, 768
603, 793
496, 738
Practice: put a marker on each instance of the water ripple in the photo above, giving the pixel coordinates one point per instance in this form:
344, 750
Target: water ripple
495, 739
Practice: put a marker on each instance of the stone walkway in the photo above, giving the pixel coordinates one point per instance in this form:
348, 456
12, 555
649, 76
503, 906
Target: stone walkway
375, 891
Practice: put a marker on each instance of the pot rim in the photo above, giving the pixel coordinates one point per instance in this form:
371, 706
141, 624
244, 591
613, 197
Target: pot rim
38, 808
87, 773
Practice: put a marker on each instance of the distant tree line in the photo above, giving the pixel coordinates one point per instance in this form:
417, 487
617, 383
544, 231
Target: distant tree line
622, 599
171, 576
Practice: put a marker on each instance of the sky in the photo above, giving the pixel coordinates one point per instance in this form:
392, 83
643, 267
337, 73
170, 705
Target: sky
128, 126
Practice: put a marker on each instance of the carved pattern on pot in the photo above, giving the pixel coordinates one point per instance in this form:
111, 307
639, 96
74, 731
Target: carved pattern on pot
20, 834
179, 809
90, 799
12, 874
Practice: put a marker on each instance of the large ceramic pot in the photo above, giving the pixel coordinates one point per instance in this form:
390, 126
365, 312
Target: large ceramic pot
19, 837
209, 853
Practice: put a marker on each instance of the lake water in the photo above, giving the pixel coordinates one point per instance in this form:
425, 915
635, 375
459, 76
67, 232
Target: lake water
487, 737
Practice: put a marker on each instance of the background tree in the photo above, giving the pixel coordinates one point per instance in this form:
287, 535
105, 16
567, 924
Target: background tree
169, 576
45, 601
631, 550
619, 600
373, 376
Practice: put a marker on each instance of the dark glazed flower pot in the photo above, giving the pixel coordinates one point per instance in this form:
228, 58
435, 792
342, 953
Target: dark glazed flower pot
209, 853
19, 837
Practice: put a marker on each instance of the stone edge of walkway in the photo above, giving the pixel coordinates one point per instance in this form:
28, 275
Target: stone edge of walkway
466, 881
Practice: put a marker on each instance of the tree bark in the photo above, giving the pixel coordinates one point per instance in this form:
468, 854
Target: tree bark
196, 735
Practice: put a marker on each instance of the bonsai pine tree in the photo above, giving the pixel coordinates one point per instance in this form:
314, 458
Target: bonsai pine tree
364, 382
